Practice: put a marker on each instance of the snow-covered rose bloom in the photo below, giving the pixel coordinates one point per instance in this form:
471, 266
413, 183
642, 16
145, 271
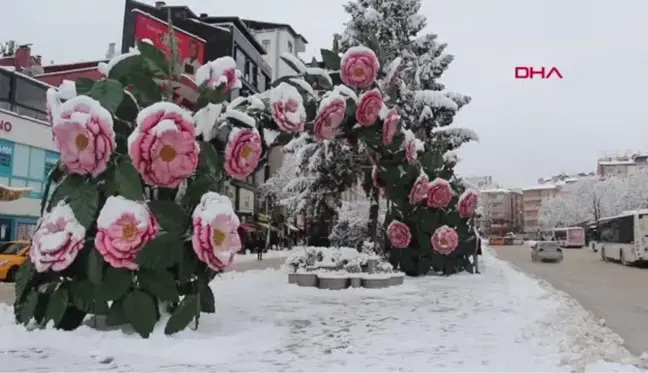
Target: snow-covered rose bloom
412, 146
215, 237
420, 189
369, 105
445, 240
123, 228
57, 240
390, 126
439, 194
468, 203
329, 116
83, 133
399, 234
221, 71
359, 67
163, 145
242, 152
287, 106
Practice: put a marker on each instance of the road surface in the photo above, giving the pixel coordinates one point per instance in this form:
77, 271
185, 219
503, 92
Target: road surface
611, 291
7, 291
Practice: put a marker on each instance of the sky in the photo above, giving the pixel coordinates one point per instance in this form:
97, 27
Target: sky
528, 128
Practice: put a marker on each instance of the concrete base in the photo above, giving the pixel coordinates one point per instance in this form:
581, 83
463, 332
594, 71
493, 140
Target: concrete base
396, 280
292, 278
355, 282
375, 283
306, 279
337, 283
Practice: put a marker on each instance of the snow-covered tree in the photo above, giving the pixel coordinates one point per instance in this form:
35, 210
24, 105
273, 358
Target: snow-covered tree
275, 186
592, 199
352, 225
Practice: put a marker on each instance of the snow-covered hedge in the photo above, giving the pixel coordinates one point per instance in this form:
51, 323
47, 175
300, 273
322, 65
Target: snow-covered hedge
331, 258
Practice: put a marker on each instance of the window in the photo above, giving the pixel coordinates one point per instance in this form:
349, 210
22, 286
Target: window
37, 164
266, 44
260, 83
4, 180
5, 86
6, 155
30, 94
20, 160
255, 76
240, 59
290, 47
19, 183
247, 73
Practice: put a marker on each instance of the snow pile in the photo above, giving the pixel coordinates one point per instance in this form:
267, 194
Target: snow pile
500, 321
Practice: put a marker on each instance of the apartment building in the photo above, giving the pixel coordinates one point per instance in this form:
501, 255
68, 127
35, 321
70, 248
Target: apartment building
566, 178
479, 182
502, 210
621, 165
532, 198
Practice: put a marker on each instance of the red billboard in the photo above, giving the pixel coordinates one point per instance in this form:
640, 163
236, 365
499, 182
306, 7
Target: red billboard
191, 49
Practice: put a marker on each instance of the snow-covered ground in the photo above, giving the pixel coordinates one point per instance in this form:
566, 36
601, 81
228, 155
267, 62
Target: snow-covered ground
499, 321
271, 254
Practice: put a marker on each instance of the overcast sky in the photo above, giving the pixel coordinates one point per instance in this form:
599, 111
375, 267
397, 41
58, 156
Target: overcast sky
528, 128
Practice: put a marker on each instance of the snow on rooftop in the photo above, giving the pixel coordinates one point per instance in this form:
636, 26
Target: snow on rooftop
495, 190
542, 186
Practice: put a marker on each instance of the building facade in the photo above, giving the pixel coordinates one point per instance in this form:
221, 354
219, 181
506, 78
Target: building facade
566, 178
621, 165
532, 198
27, 152
502, 210
479, 182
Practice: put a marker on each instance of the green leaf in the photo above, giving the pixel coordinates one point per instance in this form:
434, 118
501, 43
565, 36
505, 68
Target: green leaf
84, 202
210, 161
429, 220
41, 307
207, 302
159, 283
72, 318
122, 69
84, 85
331, 59
94, 267
200, 185
23, 280
188, 265
28, 307
128, 109
116, 314
57, 305
213, 96
63, 191
163, 251
145, 89
140, 311
170, 216
81, 295
154, 59
126, 180
182, 316
109, 93
116, 282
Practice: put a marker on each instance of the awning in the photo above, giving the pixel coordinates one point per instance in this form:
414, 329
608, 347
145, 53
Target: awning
247, 227
263, 225
12, 194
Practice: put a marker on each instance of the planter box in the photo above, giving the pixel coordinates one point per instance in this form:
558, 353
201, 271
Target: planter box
355, 282
333, 283
396, 280
306, 279
372, 264
376, 282
292, 278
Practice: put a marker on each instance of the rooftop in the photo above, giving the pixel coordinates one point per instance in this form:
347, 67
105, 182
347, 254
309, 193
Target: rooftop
262, 25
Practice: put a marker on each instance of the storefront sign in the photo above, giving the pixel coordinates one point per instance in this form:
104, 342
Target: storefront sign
5, 126
246, 201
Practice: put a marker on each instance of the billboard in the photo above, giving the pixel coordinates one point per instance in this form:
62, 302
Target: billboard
191, 49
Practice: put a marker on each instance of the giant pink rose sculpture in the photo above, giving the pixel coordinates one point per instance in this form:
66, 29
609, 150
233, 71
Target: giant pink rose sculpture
468, 203
215, 237
390, 126
439, 194
221, 71
329, 116
123, 228
83, 133
370, 104
445, 240
399, 234
287, 107
420, 189
57, 240
163, 145
242, 152
359, 67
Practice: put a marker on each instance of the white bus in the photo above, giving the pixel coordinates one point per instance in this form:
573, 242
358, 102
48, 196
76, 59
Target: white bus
570, 236
623, 238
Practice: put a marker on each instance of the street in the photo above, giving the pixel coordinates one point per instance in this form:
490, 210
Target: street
7, 291
609, 290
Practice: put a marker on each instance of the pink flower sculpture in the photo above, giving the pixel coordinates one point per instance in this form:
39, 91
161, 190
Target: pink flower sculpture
329, 116
123, 228
420, 189
445, 240
57, 240
468, 203
287, 106
215, 237
359, 67
369, 105
399, 234
390, 126
242, 152
221, 71
163, 146
439, 194
412, 145
83, 133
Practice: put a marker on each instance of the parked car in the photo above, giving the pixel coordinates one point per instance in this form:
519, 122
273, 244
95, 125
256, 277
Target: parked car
546, 251
11, 258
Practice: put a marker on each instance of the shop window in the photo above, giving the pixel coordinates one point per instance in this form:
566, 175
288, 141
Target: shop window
50, 162
36, 163
18, 183
4, 180
20, 160
25, 231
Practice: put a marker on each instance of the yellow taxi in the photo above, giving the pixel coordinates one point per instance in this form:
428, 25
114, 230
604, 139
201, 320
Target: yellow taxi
12, 256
